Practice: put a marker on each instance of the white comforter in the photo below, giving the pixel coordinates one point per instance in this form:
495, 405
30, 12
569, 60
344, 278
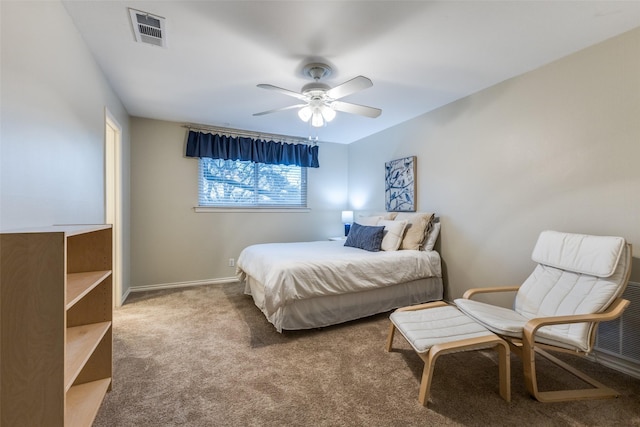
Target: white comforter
291, 271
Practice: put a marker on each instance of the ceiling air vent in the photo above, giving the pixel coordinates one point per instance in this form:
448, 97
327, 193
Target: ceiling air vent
148, 28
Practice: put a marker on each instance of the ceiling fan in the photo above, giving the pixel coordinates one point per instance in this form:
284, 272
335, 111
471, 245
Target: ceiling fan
320, 100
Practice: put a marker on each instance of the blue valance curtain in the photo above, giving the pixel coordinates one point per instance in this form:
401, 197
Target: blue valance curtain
225, 147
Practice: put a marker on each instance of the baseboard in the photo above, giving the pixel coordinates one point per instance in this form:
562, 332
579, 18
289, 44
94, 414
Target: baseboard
125, 296
175, 285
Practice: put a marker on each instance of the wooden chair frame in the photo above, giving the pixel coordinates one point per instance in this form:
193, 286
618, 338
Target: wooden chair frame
526, 348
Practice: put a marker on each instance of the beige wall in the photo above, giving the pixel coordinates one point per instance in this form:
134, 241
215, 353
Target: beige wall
52, 127
556, 148
172, 244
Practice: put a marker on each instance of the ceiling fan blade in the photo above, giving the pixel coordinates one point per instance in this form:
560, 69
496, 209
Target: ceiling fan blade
290, 107
361, 110
354, 85
283, 91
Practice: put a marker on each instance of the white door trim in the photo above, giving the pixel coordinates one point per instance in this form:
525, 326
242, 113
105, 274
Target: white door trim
113, 197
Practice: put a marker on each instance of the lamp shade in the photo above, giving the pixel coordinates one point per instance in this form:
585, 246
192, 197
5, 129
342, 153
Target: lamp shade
304, 113
316, 119
347, 217
328, 113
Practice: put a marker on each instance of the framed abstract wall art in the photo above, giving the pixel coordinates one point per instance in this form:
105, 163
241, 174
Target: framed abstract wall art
400, 185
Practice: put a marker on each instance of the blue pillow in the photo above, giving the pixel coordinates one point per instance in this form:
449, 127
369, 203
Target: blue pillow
365, 237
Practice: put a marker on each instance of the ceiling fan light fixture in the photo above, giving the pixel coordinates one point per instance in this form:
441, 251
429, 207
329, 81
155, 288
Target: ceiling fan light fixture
328, 113
316, 119
305, 113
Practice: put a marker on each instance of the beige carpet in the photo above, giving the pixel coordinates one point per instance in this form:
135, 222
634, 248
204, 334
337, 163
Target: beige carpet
206, 356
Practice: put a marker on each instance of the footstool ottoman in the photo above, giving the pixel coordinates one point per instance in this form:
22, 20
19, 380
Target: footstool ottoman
437, 328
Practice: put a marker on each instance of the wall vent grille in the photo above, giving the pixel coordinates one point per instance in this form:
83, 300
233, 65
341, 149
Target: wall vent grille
148, 28
618, 341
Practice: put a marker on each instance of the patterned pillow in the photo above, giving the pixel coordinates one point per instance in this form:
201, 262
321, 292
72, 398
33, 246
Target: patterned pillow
365, 237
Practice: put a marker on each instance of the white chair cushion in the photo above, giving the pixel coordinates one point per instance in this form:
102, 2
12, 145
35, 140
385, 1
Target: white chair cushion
593, 255
500, 320
425, 328
504, 321
552, 292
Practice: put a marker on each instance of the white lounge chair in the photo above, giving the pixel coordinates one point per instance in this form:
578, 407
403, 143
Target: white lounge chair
577, 283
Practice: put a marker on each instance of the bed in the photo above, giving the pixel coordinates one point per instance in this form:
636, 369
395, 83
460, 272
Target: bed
304, 285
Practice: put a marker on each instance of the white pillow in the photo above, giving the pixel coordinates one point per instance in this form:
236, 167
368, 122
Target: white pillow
368, 220
432, 237
393, 232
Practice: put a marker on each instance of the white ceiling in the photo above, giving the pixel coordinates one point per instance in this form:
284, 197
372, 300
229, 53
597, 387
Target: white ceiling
419, 54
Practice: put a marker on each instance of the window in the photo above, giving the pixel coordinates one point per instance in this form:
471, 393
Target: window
235, 183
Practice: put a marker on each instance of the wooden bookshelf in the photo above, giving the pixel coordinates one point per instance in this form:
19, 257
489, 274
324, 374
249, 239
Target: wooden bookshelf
56, 324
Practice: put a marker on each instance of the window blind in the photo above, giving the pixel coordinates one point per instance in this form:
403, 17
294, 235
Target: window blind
236, 183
